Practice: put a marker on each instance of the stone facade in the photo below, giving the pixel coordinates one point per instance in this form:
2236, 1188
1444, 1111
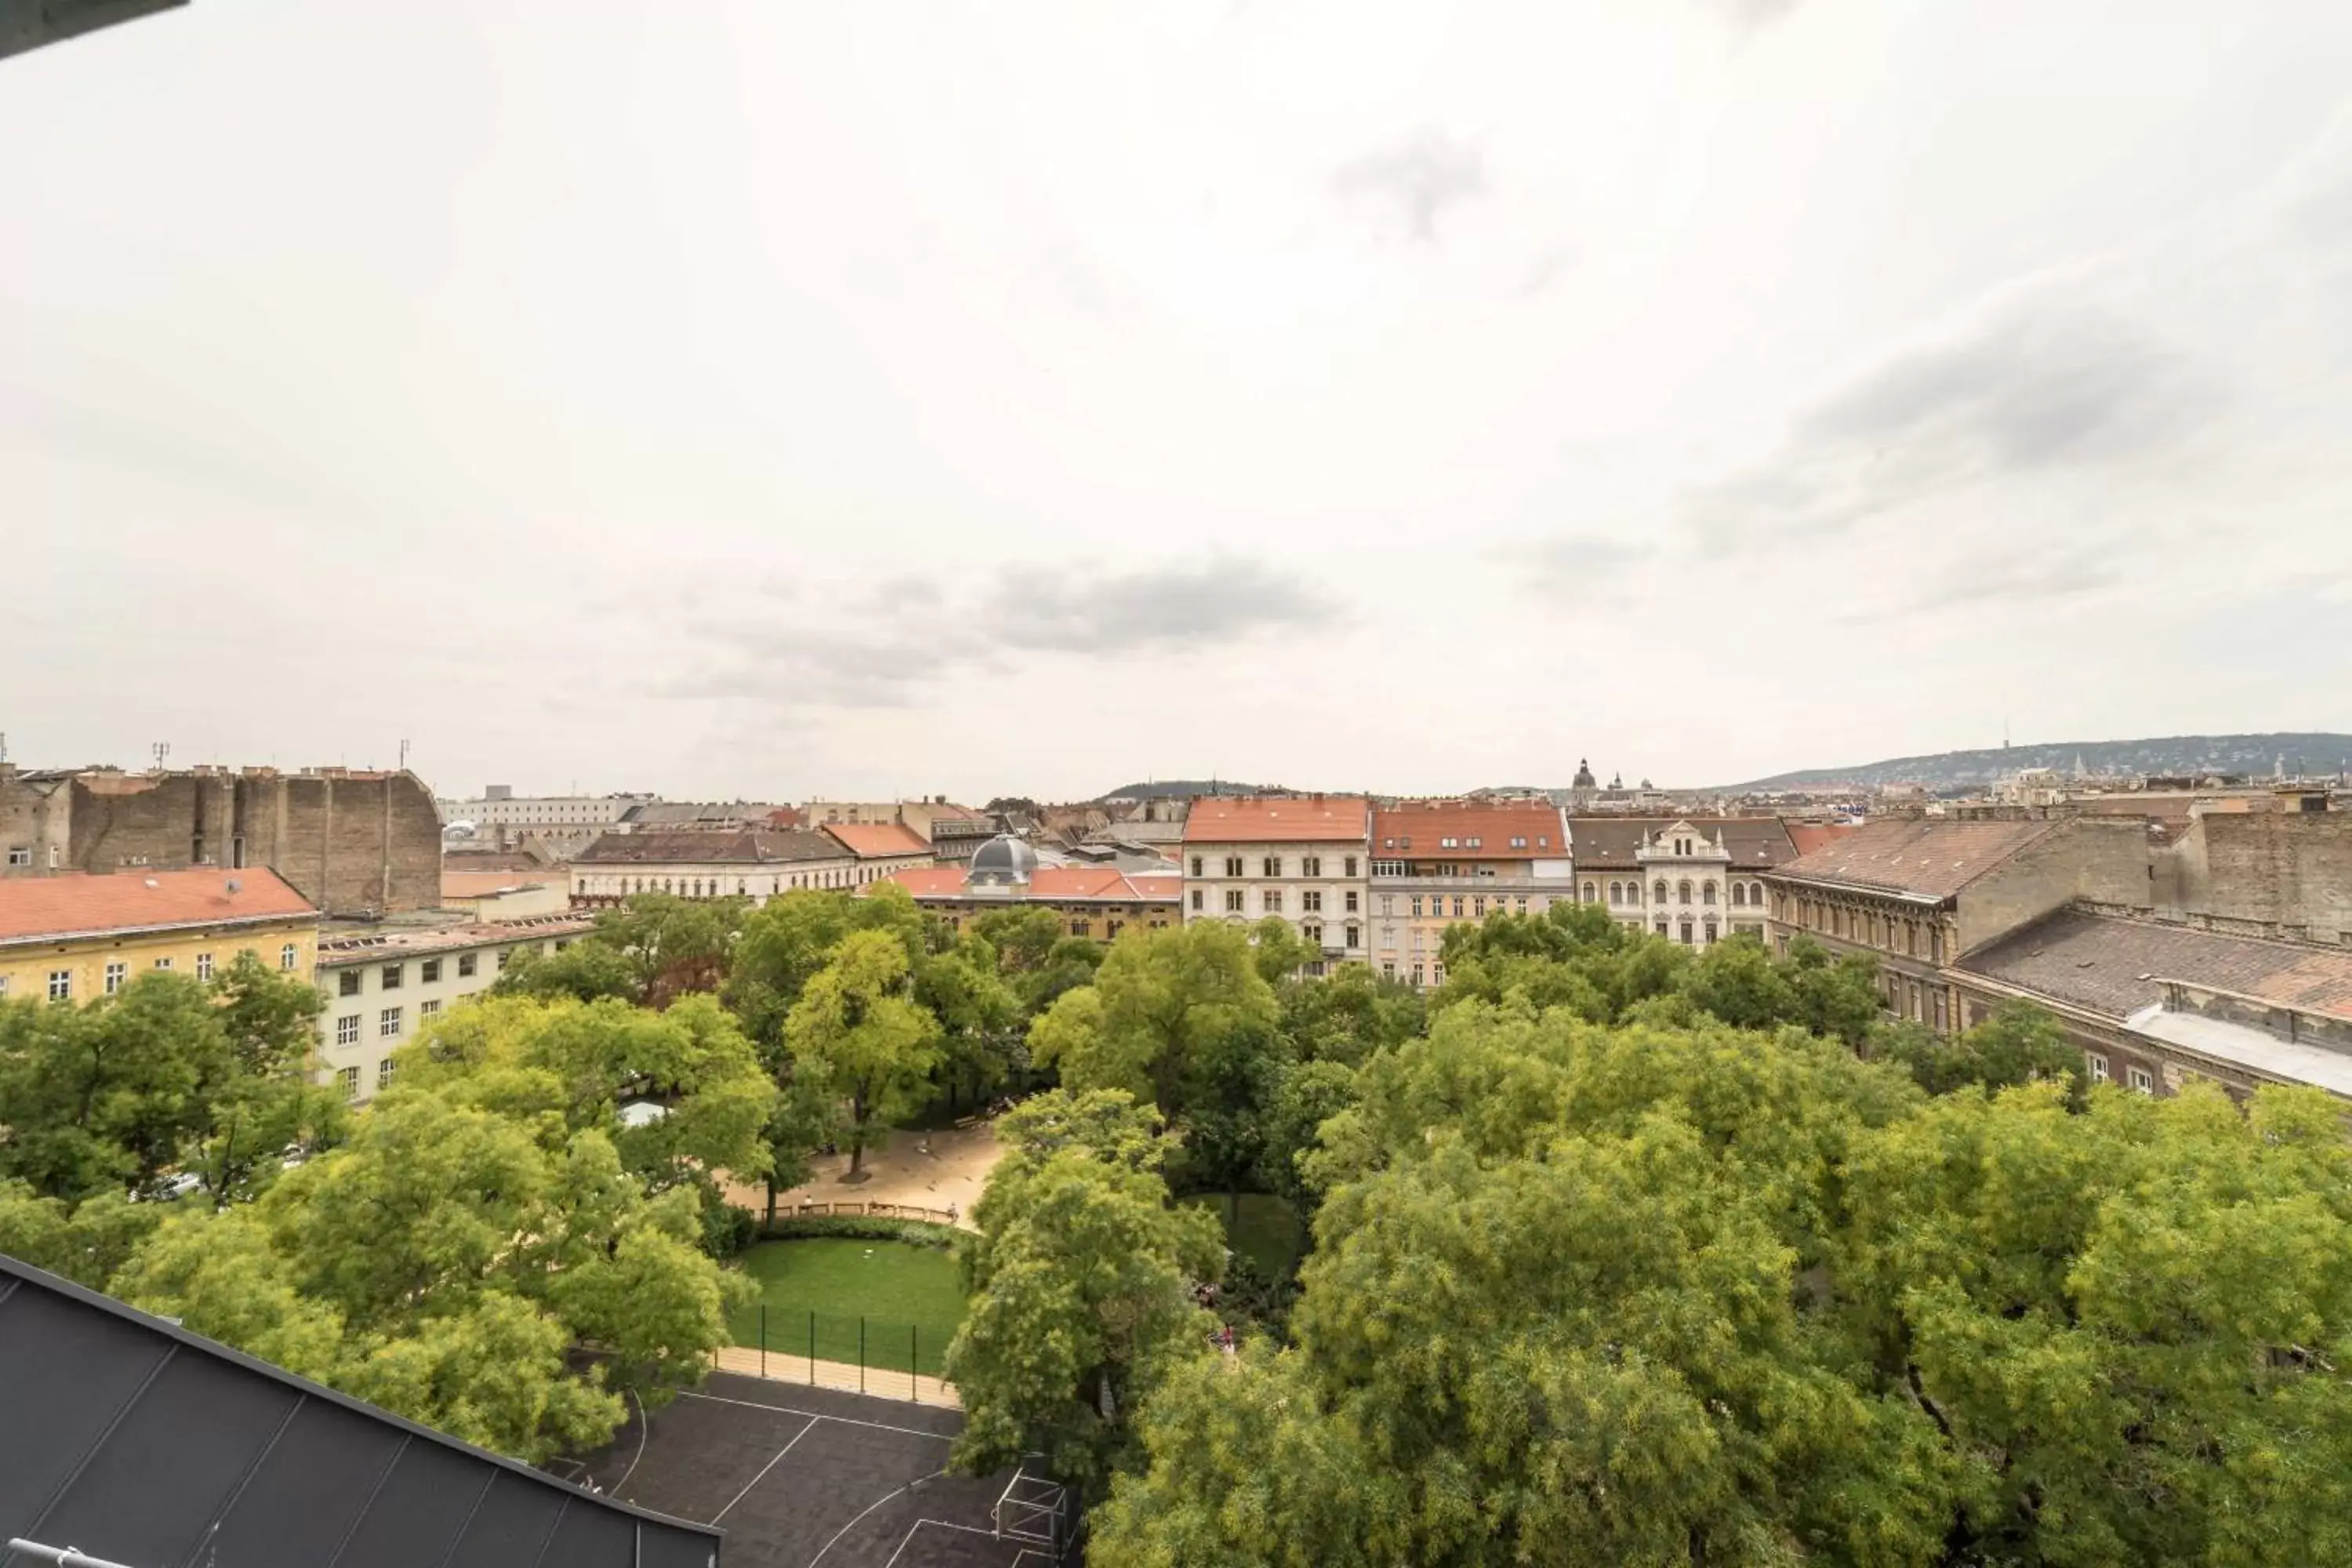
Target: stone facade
2272, 873
355, 844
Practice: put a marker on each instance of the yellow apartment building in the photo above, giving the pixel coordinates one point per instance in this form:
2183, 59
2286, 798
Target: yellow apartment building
71, 936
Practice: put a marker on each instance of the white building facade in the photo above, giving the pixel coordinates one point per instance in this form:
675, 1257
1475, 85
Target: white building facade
1304, 859
745, 863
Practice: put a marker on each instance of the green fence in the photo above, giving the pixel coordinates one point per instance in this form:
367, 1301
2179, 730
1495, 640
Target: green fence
784, 1335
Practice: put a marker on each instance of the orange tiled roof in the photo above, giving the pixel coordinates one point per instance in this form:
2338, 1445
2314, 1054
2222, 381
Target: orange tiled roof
474, 884
1278, 819
1420, 827
77, 903
1051, 884
873, 840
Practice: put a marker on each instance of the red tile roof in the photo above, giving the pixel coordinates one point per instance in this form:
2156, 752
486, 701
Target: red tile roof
77, 903
876, 840
1051, 884
1420, 827
1924, 856
1278, 819
1809, 836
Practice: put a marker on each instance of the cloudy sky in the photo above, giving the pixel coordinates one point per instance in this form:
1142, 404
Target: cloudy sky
792, 398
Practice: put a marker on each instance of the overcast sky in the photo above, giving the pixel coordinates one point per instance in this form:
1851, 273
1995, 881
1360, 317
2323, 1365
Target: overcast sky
792, 399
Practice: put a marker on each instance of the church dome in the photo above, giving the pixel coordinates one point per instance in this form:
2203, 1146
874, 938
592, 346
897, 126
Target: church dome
1003, 861
1583, 774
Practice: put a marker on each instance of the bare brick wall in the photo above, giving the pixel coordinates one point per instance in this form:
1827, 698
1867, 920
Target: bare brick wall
353, 843
2085, 859
2288, 870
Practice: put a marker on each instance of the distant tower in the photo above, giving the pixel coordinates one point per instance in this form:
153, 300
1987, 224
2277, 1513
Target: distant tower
1581, 793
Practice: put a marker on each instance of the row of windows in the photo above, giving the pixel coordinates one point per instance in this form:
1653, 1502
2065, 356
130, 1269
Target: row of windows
715, 886
1271, 866
118, 972
1435, 974
1743, 895
1868, 927
348, 981
2141, 1080
348, 1078
1270, 901
388, 1023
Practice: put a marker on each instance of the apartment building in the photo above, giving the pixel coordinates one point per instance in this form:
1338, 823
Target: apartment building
382, 986
737, 863
1305, 859
1434, 862
75, 935
1097, 901
880, 848
1692, 879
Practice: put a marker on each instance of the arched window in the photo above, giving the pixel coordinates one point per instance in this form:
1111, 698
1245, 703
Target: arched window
1616, 892
1739, 893
1755, 894
1587, 895
1683, 891
1658, 890
1707, 892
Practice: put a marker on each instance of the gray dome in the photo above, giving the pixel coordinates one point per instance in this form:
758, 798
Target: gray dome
1003, 861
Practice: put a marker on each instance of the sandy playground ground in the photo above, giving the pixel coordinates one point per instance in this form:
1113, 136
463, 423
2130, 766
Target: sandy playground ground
932, 1170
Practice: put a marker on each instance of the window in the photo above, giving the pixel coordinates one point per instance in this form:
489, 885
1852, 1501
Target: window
1416, 906
1313, 934
387, 1024
347, 1081
1683, 891
1355, 935
2142, 1081
1658, 891
1388, 971
429, 971
1310, 866
116, 973
60, 984
1270, 867
1519, 841
1232, 865
347, 1029
390, 979
1739, 893
1352, 865
1662, 928
347, 983
1082, 927
1687, 934
1196, 865
1478, 906
1273, 901
1233, 900
1589, 890
1446, 843
427, 1009
504, 954
204, 966
1709, 931
1416, 975
1351, 901
1437, 973
1935, 946
20, 854
1457, 905
1311, 900
287, 955
2098, 1065
1616, 892
1388, 904
466, 962
1196, 898
163, 962
384, 1071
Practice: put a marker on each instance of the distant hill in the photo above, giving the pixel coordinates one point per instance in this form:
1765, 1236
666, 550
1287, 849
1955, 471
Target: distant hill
1188, 787
2195, 754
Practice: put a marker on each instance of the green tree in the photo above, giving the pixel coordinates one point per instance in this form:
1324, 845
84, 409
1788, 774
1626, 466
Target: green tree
1347, 1014
1164, 1005
1737, 982
979, 1016
1277, 949
263, 1105
85, 1242
590, 970
1836, 998
672, 946
2019, 1044
863, 1040
1081, 1278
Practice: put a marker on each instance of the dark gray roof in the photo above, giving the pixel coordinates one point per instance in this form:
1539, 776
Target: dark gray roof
747, 844
2112, 965
1607, 842
134, 1440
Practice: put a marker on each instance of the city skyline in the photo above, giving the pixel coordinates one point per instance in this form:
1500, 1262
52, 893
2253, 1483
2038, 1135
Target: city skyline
758, 400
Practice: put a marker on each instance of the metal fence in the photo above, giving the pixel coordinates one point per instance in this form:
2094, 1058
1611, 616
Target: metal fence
869, 1211
861, 1354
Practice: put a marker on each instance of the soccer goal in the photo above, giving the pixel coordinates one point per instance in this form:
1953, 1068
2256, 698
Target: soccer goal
1034, 1511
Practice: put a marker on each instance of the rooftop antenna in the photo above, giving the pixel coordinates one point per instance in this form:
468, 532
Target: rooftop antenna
162, 749
3, 745
403, 756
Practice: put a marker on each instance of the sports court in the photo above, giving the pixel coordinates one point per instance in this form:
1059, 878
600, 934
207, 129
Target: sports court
812, 1478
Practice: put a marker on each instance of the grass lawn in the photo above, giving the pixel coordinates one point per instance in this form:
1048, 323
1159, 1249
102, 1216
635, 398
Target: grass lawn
1266, 1232
826, 1284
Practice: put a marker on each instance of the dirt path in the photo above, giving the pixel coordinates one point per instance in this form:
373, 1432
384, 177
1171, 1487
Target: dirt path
779, 1367
930, 1169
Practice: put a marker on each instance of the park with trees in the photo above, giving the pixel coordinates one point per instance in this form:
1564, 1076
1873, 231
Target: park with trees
1605, 1251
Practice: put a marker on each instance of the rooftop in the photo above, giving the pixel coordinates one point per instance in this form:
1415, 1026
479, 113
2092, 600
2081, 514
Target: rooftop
66, 904
1928, 857
1278, 819
1421, 826
1052, 884
870, 841
2244, 1046
474, 884
749, 846
136, 1441
2115, 964
1608, 843
423, 941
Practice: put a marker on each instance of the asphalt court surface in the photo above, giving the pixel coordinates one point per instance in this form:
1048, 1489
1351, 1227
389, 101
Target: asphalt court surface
809, 1477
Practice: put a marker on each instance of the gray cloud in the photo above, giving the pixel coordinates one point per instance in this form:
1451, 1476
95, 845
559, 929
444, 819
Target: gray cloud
1218, 601
1572, 562
1419, 178
2048, 379
907, 632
